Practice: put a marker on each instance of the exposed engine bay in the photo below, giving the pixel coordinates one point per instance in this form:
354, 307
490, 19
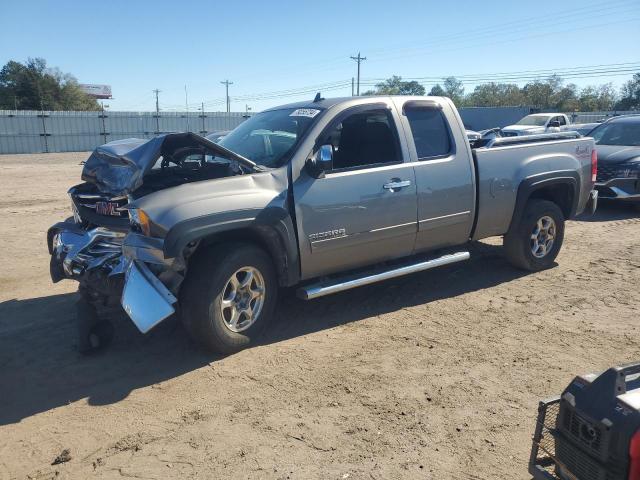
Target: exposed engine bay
88, 246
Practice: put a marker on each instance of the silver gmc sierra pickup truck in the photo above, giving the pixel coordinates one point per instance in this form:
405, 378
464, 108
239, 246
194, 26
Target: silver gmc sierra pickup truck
325, 196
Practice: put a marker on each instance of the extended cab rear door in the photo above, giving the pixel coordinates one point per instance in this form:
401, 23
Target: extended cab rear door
445, 177
364, 210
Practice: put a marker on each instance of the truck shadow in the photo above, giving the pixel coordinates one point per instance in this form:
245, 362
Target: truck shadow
40, 368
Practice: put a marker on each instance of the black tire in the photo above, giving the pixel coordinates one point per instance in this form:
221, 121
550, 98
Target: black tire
203, 289
518, 242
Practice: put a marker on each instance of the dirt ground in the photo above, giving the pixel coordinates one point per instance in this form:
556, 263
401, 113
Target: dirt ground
435, 375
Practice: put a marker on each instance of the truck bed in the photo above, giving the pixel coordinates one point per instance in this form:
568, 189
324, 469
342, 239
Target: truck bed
503, 165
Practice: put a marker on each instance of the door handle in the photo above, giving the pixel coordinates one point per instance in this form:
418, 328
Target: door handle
396, 184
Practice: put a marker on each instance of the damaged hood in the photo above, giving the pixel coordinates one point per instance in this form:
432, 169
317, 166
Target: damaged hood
118, 167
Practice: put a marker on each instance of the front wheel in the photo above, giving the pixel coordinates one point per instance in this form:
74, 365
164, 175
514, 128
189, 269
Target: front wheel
534, 243
229, 296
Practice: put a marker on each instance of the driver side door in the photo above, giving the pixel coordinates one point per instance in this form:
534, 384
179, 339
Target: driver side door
364, 209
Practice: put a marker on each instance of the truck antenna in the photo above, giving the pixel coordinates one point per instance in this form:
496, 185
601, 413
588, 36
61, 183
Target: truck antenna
318, 98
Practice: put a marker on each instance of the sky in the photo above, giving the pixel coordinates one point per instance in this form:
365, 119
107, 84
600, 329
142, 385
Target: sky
277, 52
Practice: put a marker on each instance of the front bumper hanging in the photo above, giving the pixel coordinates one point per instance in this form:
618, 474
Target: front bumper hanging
145, 298
149, 282
77, 253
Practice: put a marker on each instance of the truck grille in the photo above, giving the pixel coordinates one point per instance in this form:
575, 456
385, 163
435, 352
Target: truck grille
99, 209
101, 204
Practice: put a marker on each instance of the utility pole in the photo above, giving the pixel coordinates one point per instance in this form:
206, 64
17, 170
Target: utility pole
104, 124
186, 106
358, 59
352, 86
203, 131
226, 83
156, 91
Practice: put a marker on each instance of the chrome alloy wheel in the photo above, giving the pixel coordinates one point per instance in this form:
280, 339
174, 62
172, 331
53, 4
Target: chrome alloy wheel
543, 236
242, 299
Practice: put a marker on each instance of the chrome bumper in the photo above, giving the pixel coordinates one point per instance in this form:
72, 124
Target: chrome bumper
145, 298
75, 251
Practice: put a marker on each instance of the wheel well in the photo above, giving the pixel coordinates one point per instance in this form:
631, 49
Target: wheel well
263, 237
561, 194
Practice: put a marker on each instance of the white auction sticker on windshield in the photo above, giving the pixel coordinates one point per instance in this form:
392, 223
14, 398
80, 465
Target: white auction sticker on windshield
304, 112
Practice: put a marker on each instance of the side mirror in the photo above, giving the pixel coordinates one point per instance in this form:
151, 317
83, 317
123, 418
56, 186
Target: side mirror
554, 124
321, 162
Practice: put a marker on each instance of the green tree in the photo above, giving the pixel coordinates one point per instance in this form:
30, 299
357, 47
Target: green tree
630, 94
495, 95
396, 86
539, 93
437, 91
454, 89
566, 98
34, 86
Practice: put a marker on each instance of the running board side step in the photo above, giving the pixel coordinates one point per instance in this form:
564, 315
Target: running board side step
340, 284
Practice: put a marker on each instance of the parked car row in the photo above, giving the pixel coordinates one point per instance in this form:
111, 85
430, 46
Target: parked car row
617, 143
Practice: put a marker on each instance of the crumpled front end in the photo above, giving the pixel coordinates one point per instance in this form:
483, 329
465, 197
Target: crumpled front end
90, 256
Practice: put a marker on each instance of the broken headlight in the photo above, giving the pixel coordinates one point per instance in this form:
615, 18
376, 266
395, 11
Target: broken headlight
139, 221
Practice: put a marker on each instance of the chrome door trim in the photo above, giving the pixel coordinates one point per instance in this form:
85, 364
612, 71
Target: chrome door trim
392, 226
452, 215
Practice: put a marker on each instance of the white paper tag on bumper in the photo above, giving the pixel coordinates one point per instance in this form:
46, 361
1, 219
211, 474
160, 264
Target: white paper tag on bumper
304, 112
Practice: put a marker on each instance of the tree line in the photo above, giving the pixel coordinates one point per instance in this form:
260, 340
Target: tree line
34, 86
551, 93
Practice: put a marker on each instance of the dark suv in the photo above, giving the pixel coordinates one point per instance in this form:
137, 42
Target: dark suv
618, 146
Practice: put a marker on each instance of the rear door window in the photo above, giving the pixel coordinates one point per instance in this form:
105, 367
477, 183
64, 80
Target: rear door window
430, 132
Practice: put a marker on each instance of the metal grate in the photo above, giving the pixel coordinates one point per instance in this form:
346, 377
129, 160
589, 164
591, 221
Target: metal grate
543, 462
583, 431
558, 450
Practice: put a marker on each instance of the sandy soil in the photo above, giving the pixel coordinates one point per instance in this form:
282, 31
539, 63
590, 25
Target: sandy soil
435, 376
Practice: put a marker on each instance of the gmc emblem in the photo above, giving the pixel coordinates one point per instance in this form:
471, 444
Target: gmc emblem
107, 208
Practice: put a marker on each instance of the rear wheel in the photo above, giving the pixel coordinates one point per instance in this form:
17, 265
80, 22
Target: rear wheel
534, 243
229, 296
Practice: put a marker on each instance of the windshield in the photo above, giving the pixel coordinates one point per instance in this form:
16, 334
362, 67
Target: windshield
269, 137
533, 120
617, 133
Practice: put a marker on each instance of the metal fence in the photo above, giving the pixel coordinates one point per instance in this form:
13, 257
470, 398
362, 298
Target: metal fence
33, 131
591, 117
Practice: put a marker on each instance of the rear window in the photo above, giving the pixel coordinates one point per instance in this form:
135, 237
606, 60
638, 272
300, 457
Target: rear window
430, 132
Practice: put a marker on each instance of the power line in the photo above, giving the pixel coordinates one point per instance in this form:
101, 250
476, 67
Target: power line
359, 60
574, 72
